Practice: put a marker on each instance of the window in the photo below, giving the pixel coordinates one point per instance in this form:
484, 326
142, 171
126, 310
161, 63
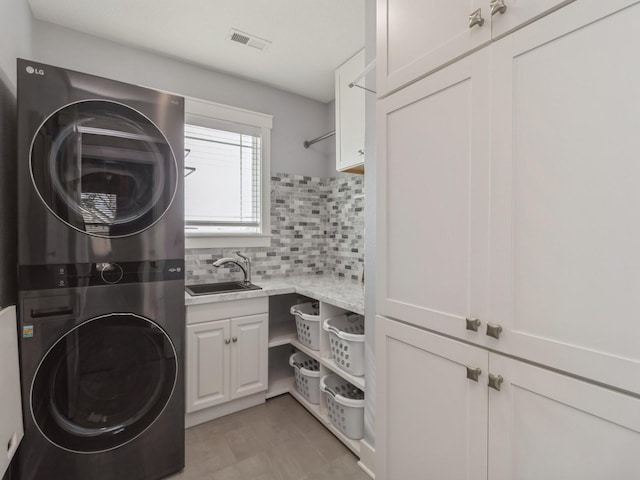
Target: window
226, 176
223, 167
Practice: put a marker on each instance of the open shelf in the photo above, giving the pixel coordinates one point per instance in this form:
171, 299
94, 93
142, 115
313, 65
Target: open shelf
280, 373
329, 363
280, 386
352, 379
281, 333
303, 348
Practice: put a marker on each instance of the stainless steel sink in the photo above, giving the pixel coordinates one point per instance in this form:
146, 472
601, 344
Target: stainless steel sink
224, 287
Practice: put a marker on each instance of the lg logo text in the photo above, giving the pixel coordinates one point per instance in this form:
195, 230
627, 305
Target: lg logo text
37, 71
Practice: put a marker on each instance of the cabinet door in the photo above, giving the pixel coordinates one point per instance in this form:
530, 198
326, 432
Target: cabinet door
544, 425
431, 420
416, 37
249, 354
350, 116
433, 187
208, 357
519, 12
565, 278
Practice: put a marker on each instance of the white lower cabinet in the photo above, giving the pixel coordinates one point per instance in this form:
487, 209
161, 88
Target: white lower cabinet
545, 425
435, 421
207, 364
249, 362
226, 349
431, 420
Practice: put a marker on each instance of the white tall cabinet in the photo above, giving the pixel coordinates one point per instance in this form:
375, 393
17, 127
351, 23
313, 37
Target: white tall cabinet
507, 182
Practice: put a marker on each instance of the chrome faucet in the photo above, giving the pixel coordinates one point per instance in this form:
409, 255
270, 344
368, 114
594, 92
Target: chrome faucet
247, 262
243, 262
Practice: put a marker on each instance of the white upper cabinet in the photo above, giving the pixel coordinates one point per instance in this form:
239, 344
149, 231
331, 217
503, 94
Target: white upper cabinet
433, 174
350, 115
565, 235
416, 37
508, 15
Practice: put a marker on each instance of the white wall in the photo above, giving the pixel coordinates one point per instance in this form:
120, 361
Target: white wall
15, 24
295, 118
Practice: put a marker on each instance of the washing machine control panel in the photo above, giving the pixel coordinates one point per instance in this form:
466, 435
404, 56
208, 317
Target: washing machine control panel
110, 273
41, 277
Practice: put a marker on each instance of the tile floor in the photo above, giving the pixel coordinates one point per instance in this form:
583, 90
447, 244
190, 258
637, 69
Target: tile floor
278, 440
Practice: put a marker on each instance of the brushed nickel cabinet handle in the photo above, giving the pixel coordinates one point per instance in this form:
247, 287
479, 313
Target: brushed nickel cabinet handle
476, 18
473, 324
473, 373
497, 6
494, 330
235, 339
495, 381
227, 341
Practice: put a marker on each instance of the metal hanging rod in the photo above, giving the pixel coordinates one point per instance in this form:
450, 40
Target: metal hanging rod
308, 143
363, 74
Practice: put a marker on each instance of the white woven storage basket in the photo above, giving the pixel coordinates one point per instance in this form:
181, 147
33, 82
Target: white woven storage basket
307, 375
346, 342
308, 324
345, 405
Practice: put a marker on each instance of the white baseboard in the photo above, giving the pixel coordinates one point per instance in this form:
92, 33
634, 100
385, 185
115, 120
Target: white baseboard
208, 414
367, 458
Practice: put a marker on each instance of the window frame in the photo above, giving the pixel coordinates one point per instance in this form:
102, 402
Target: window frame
216, 115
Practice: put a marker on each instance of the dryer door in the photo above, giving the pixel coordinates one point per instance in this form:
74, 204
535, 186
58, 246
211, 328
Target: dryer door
103, 168
104, 383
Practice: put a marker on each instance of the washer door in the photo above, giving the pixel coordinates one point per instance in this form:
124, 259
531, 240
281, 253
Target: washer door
104, 383
103, 168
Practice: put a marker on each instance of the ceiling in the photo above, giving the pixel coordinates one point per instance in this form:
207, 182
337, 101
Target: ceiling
310, 38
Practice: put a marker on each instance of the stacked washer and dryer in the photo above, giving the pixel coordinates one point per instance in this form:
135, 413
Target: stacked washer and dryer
101, 277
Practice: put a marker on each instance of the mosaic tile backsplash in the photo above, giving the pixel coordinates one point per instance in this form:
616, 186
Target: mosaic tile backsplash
317, 226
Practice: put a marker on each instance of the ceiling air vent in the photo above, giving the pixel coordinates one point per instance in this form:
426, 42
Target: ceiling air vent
248, 39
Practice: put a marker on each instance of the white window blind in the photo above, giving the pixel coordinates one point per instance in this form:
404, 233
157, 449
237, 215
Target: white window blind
222, 187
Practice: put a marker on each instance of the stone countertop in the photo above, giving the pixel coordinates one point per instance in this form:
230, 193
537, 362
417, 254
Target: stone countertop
338, 291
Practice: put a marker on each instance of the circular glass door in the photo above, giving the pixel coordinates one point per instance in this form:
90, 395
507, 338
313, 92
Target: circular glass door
104, 383
103, 168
